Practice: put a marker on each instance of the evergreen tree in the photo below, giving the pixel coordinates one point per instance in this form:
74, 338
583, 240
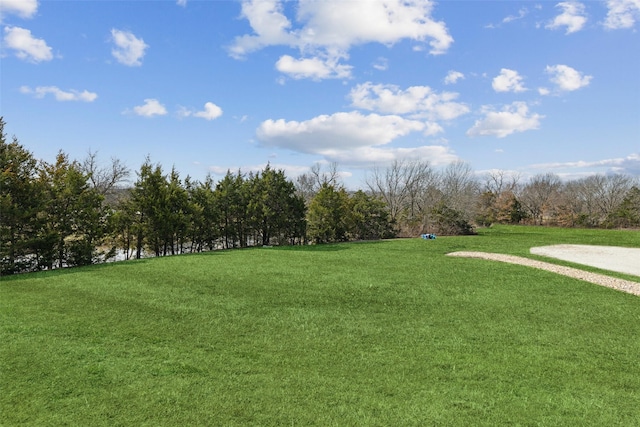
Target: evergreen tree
328, 217
627, 215
178, 215
274, 206
149, 209
74, 220
370, 218
20, 203
206, 215
231, 197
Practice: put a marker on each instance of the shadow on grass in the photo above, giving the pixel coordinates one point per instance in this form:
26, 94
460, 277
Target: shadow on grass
57, 272
69, 270
323, 247
329, 247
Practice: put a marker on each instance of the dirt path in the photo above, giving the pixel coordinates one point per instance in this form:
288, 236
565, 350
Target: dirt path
599, 279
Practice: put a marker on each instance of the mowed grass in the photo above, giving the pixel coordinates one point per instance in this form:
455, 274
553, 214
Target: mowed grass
389, 333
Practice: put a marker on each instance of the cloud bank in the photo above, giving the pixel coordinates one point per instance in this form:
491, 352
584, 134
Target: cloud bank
348, 137
325, 31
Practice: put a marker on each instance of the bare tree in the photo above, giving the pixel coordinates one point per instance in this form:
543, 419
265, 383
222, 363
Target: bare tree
497, 202
401, 186
460, 189
539, 195
500, 181
610, 192
571, 205
597, 196
308, 184
104, 179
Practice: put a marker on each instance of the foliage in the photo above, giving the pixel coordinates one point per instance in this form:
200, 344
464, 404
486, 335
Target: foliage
20, 203
627, 214
500, 208
370, 218
450, 222
328, 217
73, 220
276, 210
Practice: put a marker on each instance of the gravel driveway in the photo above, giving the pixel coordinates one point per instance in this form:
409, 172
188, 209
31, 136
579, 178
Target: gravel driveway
625, 260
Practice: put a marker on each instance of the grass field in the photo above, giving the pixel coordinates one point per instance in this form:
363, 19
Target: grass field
389, 333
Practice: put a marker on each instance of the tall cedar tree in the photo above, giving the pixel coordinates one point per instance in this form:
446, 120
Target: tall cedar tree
20, 203
74, 220
328, 217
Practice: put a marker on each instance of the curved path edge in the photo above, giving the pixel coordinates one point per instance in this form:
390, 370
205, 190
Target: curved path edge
598, 279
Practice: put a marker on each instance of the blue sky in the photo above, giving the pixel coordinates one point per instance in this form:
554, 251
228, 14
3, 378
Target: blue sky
206, 86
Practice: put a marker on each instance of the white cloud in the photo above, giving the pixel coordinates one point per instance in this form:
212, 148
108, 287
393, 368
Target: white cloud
508, 81
512, 118
270, 25
150, 108
421, 101
453, 77
342, 24
182, 3
432, 128
313, 68
436, 155
381, 64
510, 18
626, 165
211, 112
328, 29
339, 132
22, 8
60, 95
521, 14
129, 50
573, 17
566, 78
26, 46
622, 14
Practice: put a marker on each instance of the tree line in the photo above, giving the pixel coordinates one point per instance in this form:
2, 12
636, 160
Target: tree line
71, 213
455, 200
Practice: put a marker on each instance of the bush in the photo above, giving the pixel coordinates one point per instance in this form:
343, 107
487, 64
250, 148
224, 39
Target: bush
450, 222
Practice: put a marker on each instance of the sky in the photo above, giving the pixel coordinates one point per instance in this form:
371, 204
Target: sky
526, 87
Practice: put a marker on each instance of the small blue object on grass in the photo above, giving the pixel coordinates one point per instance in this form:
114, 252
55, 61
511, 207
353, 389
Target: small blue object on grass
428, 236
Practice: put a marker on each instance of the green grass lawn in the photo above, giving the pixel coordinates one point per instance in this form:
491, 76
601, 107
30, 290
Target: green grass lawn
386, 333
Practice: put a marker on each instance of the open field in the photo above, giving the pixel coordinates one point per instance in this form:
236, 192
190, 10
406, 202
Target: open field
382, 333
